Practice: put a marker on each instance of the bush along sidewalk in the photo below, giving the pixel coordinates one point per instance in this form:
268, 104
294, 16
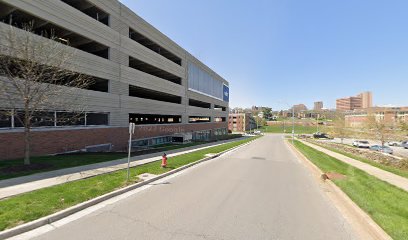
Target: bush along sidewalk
30, 206
386, 204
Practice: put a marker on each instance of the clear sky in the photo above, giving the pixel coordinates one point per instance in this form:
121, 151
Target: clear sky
293, 51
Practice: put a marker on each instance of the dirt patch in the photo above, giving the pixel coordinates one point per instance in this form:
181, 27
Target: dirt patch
333, 176
26, 168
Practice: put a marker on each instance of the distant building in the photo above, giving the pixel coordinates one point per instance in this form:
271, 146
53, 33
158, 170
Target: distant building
318, 106
362, 100
366, 99
390, 115
299, 108
349, 103
241, 122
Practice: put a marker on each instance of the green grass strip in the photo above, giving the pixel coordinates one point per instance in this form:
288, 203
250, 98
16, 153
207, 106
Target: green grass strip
34, 205
74, 160
288, 126
392, 169
386, 204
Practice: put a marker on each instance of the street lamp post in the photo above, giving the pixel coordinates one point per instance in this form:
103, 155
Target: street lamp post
293, 120
293, 125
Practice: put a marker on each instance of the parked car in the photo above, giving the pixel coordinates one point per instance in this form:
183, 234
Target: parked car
404, 144
394, 143
384, 149
321, 135
361, 144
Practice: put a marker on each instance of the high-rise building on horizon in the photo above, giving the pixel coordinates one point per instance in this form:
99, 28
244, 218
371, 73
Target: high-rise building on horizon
362, 100
299, 107
366, 99
318, 106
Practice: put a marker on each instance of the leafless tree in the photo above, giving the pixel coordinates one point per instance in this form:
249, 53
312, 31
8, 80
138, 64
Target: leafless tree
339, 128
379, 128
37, 74
404, 127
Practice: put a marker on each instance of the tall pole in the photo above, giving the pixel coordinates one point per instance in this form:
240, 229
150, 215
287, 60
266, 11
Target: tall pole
293, 125
131, 131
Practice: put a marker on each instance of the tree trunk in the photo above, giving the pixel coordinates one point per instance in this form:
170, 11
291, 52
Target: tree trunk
27, 146
27, 137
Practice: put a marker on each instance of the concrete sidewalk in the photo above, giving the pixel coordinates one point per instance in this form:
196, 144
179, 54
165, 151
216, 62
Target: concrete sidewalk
15, 186
386, 176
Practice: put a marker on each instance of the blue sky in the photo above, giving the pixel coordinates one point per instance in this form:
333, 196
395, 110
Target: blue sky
293, 51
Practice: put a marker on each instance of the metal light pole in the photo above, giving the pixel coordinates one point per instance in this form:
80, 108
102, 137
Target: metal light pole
131, 131
293, 125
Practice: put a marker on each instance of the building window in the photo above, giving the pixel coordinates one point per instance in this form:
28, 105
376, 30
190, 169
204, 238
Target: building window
70, 119
143, 119
8, 119
93, 119
5, 119
201, 81
220, 119
199, 119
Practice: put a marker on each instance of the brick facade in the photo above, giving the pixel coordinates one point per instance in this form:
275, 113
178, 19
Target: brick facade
57, 141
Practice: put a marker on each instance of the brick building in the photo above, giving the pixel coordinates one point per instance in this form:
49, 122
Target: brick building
241, 122
390, 115
362, 100
318, 106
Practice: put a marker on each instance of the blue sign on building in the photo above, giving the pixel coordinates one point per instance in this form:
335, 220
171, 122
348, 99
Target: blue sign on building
225, 93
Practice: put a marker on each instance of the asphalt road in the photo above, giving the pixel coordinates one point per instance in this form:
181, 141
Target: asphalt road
261, 191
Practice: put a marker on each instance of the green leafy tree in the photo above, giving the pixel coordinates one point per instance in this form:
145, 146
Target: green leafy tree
267, 113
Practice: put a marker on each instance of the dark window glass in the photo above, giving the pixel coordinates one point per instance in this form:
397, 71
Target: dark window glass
42, 119
97, 119
70, 119
5, 119
19, 119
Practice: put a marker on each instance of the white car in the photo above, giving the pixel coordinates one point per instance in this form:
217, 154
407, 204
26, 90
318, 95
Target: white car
404, 144
361, 144
394, 143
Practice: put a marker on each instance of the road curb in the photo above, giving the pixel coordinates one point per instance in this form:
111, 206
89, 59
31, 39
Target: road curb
79, 207
361, 222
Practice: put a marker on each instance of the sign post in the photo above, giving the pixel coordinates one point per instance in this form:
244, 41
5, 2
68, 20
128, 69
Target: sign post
131, 131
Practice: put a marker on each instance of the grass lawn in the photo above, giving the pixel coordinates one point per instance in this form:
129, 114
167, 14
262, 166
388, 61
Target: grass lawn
298, 129
392, 169
55, 162
50, 163
33, 205
385, 203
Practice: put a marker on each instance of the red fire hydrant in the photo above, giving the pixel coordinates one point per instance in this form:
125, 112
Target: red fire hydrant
164, 161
